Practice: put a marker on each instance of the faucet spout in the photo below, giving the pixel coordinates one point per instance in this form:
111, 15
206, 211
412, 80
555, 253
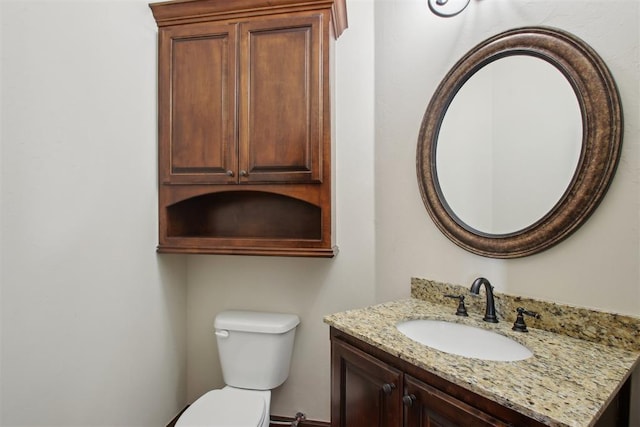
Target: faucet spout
490, 312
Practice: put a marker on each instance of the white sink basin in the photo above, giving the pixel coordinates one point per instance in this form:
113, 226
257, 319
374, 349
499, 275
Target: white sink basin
464, 340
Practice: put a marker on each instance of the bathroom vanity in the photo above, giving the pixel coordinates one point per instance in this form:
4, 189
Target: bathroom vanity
380, 377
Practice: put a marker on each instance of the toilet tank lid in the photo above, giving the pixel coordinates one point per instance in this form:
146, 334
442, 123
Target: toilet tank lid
256, 321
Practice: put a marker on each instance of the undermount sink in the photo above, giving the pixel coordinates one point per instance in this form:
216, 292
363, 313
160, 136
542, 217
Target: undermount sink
464, 340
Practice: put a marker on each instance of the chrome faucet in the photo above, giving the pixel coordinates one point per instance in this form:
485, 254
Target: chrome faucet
490, 312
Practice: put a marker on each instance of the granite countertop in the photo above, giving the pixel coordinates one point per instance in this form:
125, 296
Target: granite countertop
567, 382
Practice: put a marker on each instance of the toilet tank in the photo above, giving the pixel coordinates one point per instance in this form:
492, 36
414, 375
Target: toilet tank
255, 347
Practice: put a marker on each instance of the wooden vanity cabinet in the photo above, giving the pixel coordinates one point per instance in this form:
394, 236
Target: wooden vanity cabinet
364, 390
426, 406
371, 388
244, 149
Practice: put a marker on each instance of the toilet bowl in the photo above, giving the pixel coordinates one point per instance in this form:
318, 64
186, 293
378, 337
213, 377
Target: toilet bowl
228, 407
255, 351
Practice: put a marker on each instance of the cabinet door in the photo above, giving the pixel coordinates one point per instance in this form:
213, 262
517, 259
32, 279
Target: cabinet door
280, 103
426, 406
197, 103
365, 392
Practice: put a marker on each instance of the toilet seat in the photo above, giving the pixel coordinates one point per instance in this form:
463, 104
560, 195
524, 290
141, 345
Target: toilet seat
225, 408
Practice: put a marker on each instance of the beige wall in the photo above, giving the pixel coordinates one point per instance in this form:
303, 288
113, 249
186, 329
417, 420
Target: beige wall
413, 49
310, 288
596, 267
92, 321
109, 333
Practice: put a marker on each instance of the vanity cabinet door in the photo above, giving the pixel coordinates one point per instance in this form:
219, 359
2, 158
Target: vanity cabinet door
365, 392
426, 406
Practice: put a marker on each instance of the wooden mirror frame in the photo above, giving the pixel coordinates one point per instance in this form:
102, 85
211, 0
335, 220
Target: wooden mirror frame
601, 113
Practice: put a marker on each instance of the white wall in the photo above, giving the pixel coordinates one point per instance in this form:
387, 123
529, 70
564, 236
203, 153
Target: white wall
598, 265
414, 50
92, 320
310, 288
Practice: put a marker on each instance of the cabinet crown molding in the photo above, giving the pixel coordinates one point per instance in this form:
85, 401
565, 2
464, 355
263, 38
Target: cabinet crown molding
176, 12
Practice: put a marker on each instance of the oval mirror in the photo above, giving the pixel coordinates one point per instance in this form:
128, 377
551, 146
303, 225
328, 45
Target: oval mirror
519, 142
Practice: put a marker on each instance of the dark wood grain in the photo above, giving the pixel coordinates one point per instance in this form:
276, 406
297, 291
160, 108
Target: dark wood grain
445, 400
244, 146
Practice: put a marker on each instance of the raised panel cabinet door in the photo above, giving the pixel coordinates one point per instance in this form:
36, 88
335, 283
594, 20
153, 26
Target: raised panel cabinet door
365, 391
197, 102
426, 406
280, 103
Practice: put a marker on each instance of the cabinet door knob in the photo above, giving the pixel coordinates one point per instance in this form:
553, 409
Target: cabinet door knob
229, 172
408, 399
388, 388
243, 173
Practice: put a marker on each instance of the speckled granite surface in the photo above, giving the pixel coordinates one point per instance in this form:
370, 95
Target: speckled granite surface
568, 381
577, 322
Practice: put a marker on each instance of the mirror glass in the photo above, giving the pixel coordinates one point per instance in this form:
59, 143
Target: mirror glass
509, 144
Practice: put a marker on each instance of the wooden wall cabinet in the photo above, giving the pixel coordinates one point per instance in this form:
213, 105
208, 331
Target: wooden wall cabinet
372, 388
245, 133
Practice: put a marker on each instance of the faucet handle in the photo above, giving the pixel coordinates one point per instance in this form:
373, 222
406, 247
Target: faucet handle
519, 324
462, 310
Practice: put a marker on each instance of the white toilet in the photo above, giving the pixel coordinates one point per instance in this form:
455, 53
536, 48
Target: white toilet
255, 353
